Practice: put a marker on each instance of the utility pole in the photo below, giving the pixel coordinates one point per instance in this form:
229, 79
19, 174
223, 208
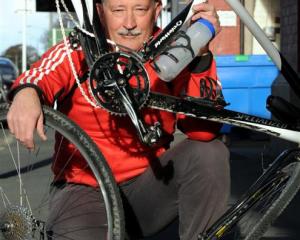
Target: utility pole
24, 33
25, 8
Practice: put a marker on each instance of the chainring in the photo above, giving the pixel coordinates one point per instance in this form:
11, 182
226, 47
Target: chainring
116, 70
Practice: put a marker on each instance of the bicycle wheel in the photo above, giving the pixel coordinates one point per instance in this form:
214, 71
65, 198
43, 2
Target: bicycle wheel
274, 196
28, 209
250, 217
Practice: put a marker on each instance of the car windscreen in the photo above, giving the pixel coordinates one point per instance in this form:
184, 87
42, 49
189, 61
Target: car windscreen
7, 72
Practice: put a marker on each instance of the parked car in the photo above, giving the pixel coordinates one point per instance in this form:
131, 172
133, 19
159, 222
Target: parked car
8, 74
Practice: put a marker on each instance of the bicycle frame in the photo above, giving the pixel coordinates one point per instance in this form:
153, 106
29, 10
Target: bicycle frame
196, 107
203, 109
210, 111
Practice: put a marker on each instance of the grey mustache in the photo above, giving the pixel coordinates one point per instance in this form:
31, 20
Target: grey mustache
126, 32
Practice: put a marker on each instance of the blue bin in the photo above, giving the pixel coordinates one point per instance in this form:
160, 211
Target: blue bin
247, 82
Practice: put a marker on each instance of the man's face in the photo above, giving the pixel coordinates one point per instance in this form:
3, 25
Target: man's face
129, 22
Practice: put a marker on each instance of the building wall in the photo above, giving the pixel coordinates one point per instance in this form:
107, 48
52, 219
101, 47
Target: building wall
290, 31
266, 13
279, 16
248, 38
234, 37
228, 40
238, 40
290, 42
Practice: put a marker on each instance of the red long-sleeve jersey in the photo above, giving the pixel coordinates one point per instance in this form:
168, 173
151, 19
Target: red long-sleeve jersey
115, 135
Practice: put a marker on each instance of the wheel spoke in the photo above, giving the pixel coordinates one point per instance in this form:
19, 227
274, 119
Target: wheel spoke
38, 204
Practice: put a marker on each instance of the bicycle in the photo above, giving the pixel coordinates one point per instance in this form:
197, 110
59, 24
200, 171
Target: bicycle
248, 219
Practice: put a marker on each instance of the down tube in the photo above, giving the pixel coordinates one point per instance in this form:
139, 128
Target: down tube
202, 110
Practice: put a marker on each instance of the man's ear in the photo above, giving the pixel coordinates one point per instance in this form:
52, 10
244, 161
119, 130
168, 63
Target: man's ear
100, 12
158, 8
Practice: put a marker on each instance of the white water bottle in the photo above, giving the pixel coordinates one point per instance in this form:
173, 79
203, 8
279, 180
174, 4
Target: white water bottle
170, 63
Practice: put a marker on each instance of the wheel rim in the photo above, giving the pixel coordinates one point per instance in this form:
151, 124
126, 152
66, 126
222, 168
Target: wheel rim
25, 184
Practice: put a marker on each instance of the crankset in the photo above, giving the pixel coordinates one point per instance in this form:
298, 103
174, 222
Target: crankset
120, 84
118, 79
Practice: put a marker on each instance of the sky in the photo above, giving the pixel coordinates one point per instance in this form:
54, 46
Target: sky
11, 24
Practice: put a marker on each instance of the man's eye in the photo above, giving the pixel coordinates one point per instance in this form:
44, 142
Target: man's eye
141, 10
118, 10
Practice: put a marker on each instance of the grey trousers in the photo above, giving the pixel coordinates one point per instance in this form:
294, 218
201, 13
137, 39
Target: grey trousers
190, 181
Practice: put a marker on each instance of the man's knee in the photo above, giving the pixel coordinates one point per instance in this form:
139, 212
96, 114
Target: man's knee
208, 171
209, 158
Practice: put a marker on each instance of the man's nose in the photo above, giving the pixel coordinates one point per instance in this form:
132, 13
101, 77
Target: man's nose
130, 21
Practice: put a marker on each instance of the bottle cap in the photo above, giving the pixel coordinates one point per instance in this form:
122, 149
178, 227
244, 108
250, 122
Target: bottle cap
209, 25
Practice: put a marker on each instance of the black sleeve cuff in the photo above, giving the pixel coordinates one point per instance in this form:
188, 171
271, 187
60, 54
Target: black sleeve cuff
201, 63
12, 93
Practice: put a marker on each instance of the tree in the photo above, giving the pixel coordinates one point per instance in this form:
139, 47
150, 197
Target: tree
47, 38
14, 53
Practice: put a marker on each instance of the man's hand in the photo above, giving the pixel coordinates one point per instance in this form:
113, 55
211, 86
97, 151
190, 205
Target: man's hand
208, 12
25, 115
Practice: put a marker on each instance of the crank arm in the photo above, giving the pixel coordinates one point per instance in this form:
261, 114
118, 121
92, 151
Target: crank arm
148, 135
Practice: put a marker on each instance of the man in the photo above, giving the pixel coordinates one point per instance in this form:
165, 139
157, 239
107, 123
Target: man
191, 180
